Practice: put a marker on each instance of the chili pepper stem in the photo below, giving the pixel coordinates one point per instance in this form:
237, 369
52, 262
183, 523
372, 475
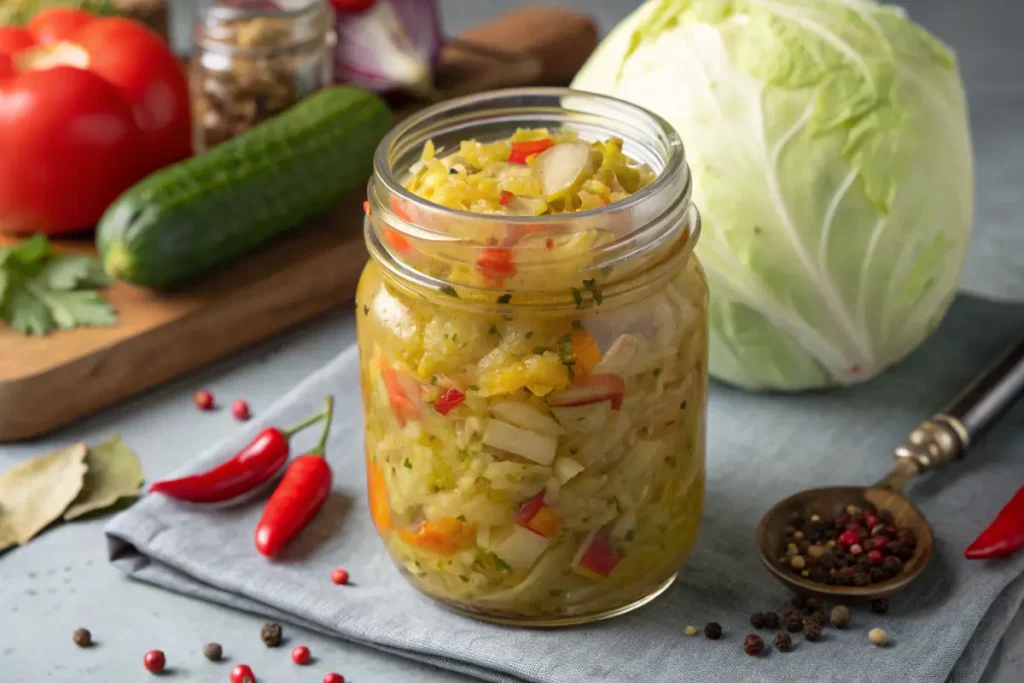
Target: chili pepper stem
328, 414
295, 429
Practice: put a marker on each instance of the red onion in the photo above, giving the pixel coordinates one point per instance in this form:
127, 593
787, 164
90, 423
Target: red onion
393, 45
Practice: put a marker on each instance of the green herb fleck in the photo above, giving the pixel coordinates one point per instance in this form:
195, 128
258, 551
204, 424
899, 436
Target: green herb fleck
461, 518
591, 286
504, 298
473, 387
465, 579
449, 290
433, 380
682, 406
455, 337
498, 562
577, 325
366, 310
493, 329
408, 464
529, 335
630, 535
555, 592
577, 297
572, 373
671, 461
540, 350
657, 371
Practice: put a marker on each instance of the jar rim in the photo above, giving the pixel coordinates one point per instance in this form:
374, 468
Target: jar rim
675, 161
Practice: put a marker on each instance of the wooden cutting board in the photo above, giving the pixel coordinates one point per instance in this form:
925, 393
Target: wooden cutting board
47, 382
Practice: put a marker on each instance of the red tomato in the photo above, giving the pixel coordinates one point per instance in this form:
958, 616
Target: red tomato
88, 107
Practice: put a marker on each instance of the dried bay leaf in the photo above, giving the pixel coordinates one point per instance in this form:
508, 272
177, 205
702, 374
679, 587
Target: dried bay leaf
113, 473
35, 493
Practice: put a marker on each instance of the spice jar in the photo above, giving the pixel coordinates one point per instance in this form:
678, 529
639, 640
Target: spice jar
254, 59
534, 386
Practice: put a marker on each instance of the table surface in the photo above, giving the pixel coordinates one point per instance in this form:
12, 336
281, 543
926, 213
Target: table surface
62, 580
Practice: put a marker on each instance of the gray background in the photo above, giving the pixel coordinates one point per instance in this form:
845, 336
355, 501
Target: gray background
62, 580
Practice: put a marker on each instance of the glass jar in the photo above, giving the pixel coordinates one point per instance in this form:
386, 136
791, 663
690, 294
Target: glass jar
252, 59
535, 448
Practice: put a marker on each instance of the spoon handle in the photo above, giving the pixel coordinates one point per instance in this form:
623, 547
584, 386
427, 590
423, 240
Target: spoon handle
946, 436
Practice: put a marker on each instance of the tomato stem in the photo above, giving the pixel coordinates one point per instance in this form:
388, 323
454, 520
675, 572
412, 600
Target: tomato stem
328, 414
291, 431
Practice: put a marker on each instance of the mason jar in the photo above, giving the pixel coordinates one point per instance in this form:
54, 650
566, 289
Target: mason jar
535, 444
252, 59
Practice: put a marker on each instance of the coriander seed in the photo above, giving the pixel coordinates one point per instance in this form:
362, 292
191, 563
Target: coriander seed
840, 616
690, 630
878, 637
213, 651
82, 637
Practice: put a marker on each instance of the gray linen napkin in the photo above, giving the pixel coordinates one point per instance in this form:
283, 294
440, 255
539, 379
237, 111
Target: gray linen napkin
761, 448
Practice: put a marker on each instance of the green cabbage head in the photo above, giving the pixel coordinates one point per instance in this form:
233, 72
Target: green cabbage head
832, 166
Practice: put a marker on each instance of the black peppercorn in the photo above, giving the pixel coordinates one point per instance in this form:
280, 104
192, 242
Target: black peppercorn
880, 606
82, 637
819, 618
818, 575
757, 620
812, 631
794, 624
713, 630
861, 578
783, 642
271, 634
813, 605
878, 575
213, 652
885, 516
771, 620
798, 601
844, 579
892, 564
829, 561
790, 612
753, 645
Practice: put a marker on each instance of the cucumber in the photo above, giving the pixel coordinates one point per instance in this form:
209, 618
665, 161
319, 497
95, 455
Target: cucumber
197, 215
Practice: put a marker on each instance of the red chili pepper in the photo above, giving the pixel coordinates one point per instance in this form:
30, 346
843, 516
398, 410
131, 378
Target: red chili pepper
504, 197
449, 400
522, 150
303, 489
260, 460
1004, 536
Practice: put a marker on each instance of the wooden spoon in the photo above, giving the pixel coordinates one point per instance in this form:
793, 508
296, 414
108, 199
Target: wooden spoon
938, 441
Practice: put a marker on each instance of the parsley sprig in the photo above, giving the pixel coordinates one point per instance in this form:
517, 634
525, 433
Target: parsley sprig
41, 290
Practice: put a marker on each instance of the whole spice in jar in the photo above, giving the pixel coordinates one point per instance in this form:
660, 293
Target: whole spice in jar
254, 62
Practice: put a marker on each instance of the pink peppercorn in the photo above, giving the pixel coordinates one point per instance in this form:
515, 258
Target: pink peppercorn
240, 409
856, 549
334, 678
848, 538
300, 655
879, 542
875, 556
871, 521
339, 576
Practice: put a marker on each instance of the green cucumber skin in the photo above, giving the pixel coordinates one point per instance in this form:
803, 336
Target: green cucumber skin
195, 216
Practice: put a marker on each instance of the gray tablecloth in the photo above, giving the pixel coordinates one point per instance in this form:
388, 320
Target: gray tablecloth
761, 448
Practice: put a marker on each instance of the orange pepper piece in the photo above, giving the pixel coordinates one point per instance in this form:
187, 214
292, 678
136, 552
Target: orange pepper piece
585, 351
443, 536
545, 522
380, 509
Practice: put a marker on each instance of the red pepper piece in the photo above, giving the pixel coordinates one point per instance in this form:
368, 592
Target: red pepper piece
522, 150
449, 400
302, 491
504, 197
497, 263
1004, 536
255, 464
